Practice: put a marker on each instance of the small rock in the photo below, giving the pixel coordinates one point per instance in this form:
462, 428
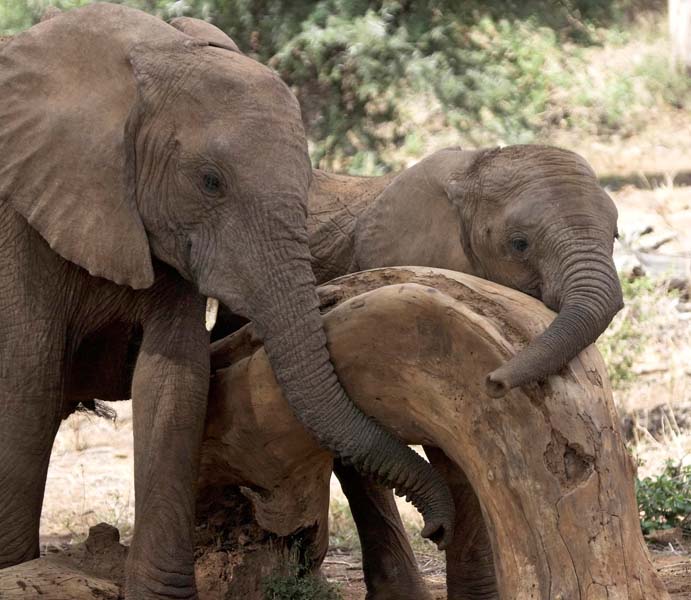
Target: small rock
102, 536
637, 272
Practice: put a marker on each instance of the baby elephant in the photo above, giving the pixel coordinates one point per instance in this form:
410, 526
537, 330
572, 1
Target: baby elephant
533, 218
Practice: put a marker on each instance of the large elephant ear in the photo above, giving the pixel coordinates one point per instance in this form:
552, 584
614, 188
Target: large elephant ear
429, 196
66, 91
205, 32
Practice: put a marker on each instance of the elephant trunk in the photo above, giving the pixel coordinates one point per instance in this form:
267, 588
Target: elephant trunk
592, 297
291, 328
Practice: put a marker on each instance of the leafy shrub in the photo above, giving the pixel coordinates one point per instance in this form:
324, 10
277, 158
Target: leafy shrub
663, 82
665, 500
499, 72
295, 584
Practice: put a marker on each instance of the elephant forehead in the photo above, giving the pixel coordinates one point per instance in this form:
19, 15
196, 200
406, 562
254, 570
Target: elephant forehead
233, 79
517, 168
541, 193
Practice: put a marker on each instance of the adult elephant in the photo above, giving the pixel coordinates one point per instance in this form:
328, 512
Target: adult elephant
143, 169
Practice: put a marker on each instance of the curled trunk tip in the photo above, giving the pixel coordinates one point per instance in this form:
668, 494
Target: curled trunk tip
497, 384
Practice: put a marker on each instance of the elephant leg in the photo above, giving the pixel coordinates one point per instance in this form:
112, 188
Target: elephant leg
169, 391
30, 404
469, 559
388, 561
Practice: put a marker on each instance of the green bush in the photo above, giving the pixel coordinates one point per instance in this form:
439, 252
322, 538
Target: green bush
665, 500
664, 83
501, 71
296, 585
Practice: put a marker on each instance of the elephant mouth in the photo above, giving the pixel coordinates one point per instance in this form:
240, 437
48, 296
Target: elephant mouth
534, 290
552, 302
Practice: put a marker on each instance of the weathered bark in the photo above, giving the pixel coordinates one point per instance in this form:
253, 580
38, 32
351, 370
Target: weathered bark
411, 345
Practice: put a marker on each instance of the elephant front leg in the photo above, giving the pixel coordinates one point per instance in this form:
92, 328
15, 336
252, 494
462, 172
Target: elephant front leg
388, 561
169, 392
469, 559
30, 399
31, 384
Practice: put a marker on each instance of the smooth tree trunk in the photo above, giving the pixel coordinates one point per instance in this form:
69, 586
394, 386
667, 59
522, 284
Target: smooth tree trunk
541, 477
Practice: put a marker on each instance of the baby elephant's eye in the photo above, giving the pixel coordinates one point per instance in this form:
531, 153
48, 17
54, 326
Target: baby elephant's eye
211, 183
519, 244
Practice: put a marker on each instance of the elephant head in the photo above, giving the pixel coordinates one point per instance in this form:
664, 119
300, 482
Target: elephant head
533, 218
126, 141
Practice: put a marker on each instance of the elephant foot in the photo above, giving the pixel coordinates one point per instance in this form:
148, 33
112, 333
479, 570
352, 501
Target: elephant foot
146, 581
397, 589
20, 557
173, 586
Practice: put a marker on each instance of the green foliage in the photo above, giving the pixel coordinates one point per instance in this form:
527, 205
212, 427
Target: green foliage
295, 582
500, 72
623, 342
666, 84
665, 500
16, 15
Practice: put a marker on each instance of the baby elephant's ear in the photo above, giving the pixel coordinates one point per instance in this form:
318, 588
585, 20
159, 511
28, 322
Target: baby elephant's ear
205, 32
66, 92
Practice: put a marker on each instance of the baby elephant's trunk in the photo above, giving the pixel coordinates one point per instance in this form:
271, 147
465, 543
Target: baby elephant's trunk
592, 298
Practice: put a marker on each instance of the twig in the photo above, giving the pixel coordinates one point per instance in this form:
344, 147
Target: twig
340, 562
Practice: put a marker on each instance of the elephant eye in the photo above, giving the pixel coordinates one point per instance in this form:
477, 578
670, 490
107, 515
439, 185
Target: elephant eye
519, 244
211, 183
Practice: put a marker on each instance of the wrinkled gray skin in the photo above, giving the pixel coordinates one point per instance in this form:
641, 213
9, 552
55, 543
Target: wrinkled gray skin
143, 169
464, 211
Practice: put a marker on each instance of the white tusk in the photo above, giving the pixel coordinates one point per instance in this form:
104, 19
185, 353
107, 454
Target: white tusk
211, 313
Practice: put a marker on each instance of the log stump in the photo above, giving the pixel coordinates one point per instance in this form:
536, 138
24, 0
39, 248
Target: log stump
542, 477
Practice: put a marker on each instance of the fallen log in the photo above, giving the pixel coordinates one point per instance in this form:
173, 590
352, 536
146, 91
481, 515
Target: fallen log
92, 570
541, 477
412, 347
